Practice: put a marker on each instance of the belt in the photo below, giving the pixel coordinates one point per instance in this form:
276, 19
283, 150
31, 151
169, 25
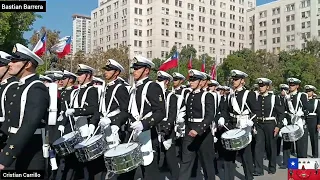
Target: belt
197, 120
312, 114
14, 130
2, 119
236, 116
266, 118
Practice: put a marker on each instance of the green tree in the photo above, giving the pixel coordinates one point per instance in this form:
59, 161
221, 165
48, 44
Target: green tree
12, 27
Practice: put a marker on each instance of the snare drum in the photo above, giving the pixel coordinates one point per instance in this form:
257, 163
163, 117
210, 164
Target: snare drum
291, 133
123, 158
90, 149
65, 144
235, 139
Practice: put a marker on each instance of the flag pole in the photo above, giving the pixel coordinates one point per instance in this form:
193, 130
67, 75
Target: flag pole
178, 62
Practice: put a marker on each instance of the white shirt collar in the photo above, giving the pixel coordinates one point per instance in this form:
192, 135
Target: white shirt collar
22, 81
111, 82
84, 85
239, 89
196, 91
293, 93
265, 94
178, 88
139, 82
4, 81
69, 87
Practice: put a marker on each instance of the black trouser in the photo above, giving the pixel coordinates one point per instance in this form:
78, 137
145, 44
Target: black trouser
31, 157
229, 158
171, 160
301, 147
265, 142
313, 133
279, 140
69, 168
201, 145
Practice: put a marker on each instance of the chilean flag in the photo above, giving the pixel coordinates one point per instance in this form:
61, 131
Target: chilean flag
213, 72
203, 66
170, 63
62, 48
190, 63
40, 47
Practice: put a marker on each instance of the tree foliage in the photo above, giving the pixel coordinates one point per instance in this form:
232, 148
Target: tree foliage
12, 27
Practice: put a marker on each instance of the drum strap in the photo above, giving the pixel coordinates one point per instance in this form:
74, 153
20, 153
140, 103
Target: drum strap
315, 105
298, 102
73, 96
203, 103
84, 97
273, 99
102, 107
3, 97
168, 104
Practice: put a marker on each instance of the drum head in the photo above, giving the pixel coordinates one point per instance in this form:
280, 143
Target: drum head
86, 142
233, 133
289, 128
121, 149
64, 138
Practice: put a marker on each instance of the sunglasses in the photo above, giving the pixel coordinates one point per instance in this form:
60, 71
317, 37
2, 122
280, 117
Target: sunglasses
292, 84
192, 79
108, 68
176, 79
235, 79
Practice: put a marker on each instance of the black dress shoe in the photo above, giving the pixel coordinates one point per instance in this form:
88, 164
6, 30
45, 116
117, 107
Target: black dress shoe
257, 174
271, 172
283, 167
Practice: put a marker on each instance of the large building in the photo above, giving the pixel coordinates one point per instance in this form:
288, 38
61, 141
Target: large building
152, 27
81, 35
283, 25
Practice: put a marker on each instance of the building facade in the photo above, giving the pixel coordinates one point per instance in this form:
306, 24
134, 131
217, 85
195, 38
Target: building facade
283, 25
151, 27
81, 34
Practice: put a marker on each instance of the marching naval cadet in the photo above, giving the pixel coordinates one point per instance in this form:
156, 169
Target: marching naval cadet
26, 106
284, 89
166, 126
181, 92
6, 81
99, 84
45, 79
68, 80
234, 117
84, 108
56, 77
113, 109
147, 108
313, 119
198, 138
296, 106
269, 122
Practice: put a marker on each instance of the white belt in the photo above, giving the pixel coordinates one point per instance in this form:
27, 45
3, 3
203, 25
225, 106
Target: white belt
312, 114
14, 130
1, 119
237, 116
267, 118
197, 120
113, 113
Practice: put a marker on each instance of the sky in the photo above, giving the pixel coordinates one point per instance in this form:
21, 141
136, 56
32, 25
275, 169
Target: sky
59, 15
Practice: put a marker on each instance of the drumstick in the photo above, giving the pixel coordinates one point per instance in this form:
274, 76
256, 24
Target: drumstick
66, 104
130, 138
89, 137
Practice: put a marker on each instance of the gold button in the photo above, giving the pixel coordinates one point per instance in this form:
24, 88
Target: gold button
13, 157
14, 95
11, 103
7, 153
18, 87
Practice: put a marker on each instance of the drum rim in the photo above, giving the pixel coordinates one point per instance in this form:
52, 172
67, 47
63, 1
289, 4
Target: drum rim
139, 145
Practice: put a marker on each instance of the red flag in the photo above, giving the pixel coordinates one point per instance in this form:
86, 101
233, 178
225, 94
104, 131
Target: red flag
40, 47
203, 66
213, 72
190, 63
170, 63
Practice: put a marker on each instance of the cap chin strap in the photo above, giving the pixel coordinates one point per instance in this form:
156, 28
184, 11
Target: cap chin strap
67, 83
25, 64
4, 74
144, 68
112, 76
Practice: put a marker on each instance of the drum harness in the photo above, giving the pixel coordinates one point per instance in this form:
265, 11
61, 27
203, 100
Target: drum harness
296, 113
179, 126
314, 108
106, 111
137, 115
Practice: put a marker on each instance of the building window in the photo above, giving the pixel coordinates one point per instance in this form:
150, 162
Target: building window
137, 32
165, 21
165, 11
164, 32
138, 11
137, 43
165, 1
138, 1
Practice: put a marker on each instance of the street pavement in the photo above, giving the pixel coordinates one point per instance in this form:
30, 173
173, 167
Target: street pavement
281, 174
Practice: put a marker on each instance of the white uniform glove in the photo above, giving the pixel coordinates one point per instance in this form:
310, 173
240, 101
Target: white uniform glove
114, 137
287, 97
69, 112
105, 121
250, 123
91, 129
167, 143
61, 129
285, 121
221, 121
60, 118
138, 126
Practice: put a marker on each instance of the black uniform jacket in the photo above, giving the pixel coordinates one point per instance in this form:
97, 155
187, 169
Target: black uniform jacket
121, 97
303, 103
167, 127
36, 109
157, 105
311, 109
194, 111
226, 107
264, 104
